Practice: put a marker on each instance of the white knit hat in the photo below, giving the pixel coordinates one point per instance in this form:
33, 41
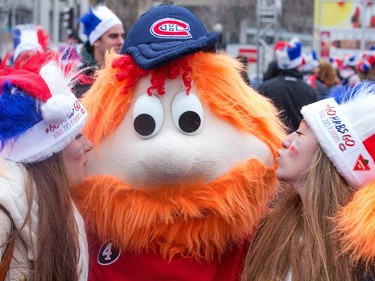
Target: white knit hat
98, 21
40, 114
346, 132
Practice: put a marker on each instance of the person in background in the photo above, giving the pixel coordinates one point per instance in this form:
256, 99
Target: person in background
272, 68
271, 71
321, 165
105, 32
245, 62
27, 40
348, 71
328, 77
323, 79
43, 155
310, 69
310, 63
287, 90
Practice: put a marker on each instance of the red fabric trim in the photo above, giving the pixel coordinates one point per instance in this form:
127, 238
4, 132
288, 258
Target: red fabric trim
369, 143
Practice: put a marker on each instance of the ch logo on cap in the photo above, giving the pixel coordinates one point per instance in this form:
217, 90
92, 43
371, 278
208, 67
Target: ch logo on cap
171, 28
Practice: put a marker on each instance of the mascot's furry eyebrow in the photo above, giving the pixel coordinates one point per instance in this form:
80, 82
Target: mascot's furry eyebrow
129, 70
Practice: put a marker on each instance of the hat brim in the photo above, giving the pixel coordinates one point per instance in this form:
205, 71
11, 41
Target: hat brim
154, 55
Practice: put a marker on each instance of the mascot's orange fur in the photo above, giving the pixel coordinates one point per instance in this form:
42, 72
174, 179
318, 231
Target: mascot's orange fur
356, 224
181, 200
193, 218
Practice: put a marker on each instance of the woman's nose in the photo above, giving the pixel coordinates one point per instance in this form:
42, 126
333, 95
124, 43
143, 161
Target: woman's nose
87, 144
287, 141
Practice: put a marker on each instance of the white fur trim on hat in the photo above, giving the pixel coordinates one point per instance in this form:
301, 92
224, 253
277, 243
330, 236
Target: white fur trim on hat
108, 20
43, 139
340, 141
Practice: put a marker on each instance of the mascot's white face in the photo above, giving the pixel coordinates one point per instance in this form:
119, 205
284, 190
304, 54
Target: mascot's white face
171, 139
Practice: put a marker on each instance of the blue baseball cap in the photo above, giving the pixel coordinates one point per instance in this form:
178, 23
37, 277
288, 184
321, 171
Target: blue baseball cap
165, 33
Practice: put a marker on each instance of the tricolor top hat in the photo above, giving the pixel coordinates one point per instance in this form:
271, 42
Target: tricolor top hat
345, 129
39, 114
165, 33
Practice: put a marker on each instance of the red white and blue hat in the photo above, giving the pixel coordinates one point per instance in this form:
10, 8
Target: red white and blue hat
336, 62
289, 54
39, 113
367, 62
98, 21
29, 37
165, 33
345, 128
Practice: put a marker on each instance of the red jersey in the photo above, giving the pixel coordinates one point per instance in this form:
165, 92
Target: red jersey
109, 263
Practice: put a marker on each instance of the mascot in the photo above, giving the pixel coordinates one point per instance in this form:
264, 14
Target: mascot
183, 167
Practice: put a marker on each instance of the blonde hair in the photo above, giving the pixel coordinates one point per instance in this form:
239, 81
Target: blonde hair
297, 238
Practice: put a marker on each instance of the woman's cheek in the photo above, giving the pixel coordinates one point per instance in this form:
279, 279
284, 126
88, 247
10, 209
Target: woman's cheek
294, 147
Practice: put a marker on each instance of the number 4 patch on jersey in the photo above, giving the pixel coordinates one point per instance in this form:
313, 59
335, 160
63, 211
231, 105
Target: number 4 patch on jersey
108, 253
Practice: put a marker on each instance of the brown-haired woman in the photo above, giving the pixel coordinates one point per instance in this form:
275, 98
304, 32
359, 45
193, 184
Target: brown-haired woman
43, 155
295, 240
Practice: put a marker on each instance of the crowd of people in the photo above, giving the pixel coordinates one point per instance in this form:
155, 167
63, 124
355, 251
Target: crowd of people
324, 108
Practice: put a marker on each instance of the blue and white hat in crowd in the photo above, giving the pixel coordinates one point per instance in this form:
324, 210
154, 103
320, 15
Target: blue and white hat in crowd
289, 54
165, 33
29, 37
98, 21
310, 61
350, 60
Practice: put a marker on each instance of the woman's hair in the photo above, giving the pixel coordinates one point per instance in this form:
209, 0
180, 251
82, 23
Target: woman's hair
327, 74
57, 252
296, 237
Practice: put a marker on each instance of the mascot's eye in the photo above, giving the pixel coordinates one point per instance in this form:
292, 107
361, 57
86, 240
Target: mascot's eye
147, 116
187, 113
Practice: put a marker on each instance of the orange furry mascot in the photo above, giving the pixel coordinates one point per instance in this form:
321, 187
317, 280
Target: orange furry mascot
183, 167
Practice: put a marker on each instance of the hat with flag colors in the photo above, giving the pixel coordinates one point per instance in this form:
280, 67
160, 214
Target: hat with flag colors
29, 37
39, 114
344, 127
367, 62
289, 54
